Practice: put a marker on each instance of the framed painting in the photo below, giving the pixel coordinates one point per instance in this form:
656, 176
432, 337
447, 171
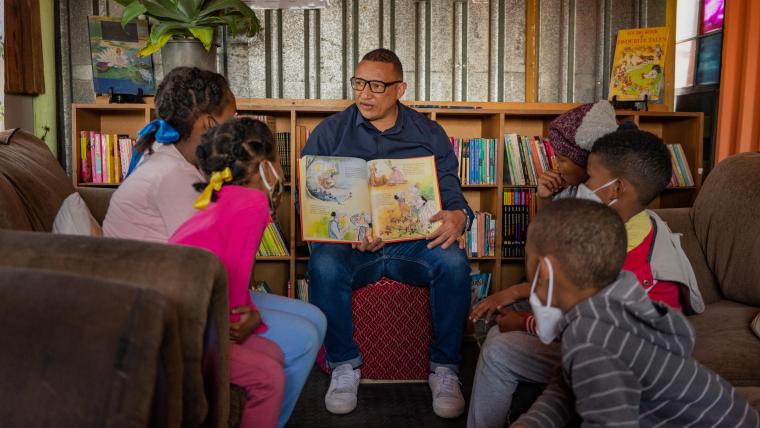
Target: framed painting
116, 67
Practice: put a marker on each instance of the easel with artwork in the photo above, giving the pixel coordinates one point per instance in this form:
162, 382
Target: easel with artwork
117, 69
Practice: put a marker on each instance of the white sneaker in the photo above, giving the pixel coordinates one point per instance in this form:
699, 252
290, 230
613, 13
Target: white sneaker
448, 401
341, 396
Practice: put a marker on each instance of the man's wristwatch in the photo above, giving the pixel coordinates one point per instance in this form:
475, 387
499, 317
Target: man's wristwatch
466, 219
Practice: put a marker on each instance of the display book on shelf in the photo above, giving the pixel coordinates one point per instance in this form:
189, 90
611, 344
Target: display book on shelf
489, 122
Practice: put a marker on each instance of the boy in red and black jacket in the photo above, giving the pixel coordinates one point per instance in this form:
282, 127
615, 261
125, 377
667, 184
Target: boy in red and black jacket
627, 170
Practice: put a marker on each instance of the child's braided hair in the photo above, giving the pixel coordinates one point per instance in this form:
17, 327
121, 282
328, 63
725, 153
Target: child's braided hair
185, 94
240, 144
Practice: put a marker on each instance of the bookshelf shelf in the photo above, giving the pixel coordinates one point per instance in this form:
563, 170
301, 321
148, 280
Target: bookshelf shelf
112, 185
479, 186
491, 120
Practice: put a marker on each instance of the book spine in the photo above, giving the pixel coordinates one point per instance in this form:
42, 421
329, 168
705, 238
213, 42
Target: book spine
98, 160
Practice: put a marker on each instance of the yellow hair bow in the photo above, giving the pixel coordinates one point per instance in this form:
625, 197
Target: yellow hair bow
217, 178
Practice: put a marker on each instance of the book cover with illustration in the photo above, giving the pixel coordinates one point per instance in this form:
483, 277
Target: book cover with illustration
638, 68
346, 199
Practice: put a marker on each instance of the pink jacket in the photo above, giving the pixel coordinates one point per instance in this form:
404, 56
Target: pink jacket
231, 228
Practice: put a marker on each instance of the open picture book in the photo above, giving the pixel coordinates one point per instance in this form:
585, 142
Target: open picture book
345, 199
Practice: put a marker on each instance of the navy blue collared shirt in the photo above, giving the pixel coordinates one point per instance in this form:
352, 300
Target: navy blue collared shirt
349, 134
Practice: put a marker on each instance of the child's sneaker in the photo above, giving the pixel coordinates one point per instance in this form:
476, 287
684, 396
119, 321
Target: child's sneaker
448, 401
341, 396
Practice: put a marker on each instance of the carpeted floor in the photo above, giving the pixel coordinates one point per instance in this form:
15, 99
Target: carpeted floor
381, 405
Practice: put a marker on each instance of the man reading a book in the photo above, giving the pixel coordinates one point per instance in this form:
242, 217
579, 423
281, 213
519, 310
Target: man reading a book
377, 126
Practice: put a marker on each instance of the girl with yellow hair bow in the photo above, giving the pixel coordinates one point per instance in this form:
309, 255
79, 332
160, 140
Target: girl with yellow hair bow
241, 160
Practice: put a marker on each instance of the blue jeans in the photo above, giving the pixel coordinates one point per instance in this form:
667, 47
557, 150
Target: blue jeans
335, 270
298, 328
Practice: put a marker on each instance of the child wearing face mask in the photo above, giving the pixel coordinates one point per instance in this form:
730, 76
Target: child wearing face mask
625, 359
270, 334
627, 170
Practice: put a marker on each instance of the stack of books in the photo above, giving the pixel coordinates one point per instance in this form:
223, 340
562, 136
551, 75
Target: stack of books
283, 147
104, 158
681, 171
272, 243
525, 159
519, 207
477, 159
301, 290
480, 239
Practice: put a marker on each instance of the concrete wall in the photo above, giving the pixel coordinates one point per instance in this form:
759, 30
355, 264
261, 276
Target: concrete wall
462, 50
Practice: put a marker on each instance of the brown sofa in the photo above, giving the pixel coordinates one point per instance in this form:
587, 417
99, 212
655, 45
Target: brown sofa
33, 186
721, 237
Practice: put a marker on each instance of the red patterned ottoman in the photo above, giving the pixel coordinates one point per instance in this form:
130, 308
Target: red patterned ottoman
393, 331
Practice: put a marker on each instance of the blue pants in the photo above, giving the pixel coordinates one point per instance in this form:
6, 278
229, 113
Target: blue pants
335, 270
298, 328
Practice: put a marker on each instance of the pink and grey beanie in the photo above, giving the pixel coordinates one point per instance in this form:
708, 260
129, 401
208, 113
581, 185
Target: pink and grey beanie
574, 133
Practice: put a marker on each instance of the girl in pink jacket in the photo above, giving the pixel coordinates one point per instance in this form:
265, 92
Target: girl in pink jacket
241, 159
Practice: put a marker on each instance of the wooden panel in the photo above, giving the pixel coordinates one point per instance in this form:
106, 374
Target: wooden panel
530, 126
531, 50
23, 48
275, 273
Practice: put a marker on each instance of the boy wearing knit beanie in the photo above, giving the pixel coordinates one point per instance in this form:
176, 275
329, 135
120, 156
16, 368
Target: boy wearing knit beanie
572, 135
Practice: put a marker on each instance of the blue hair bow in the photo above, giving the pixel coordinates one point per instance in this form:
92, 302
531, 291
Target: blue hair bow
162, 133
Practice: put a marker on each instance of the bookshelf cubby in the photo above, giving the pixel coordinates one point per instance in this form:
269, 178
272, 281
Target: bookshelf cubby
477, 120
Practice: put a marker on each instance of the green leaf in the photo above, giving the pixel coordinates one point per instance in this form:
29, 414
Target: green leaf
204, 34
238, 5
164, 9
152, 48
158, 31
124, 3
132, 11
191, 8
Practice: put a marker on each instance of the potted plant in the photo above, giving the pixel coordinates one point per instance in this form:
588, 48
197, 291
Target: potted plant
184, 29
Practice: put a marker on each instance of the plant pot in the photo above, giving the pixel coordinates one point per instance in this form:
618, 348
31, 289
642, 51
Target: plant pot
187, 53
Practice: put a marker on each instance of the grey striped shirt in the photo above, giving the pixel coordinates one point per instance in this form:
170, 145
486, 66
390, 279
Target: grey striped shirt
626, 361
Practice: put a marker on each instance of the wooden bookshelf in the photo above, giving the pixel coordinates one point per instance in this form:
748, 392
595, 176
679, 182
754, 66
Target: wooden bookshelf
489, 120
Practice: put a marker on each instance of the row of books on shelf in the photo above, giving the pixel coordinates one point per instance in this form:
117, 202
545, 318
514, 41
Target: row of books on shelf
301, 289
283, 147
519, 206
272, 243
477, 159
104, 158
681, 171
525, 159
480, 239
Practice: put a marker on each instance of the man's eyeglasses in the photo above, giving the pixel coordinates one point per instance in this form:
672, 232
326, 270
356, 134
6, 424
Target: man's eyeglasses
376, 86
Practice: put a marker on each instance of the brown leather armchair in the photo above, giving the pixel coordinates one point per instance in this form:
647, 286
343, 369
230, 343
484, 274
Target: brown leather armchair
32, 188
721, 237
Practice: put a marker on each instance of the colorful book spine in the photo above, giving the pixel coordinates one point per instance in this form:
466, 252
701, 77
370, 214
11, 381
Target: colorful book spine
97, 164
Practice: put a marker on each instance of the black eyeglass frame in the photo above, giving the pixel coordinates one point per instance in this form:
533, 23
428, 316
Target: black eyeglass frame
354, 80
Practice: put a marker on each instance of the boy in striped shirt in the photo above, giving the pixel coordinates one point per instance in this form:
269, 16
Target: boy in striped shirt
625, 359
627, 170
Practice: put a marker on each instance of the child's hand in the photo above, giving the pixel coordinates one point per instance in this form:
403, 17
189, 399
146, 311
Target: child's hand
510, 320
493, 303
248, 323
549, 183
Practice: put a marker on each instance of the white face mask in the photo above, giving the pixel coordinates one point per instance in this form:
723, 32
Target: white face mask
585, 193
274, 191
547, 317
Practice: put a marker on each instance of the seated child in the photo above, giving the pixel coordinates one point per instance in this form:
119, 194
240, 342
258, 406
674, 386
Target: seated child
625, 358
571, 136
627, 170
241, 159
